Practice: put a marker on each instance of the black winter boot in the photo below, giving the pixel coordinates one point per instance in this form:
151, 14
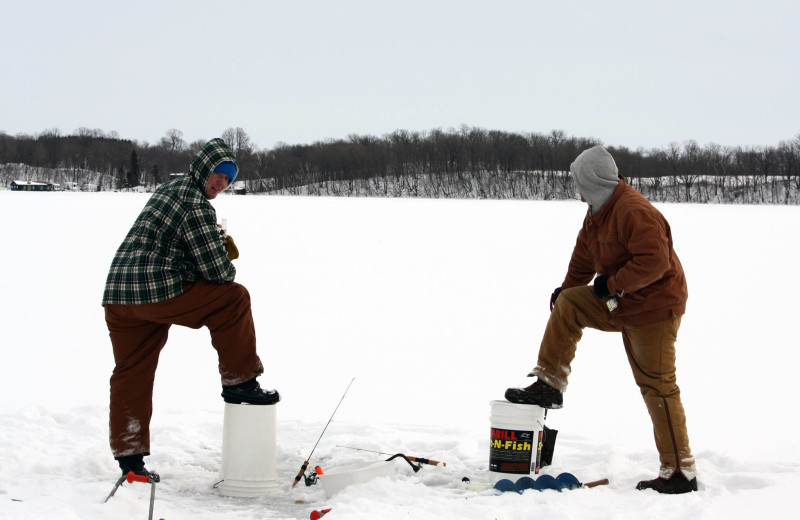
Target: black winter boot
675, 485
135, 463
249, 392
539, 393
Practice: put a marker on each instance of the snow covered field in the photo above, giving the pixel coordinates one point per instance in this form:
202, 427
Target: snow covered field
435, 307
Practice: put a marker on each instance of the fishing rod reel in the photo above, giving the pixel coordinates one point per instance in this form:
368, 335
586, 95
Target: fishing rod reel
313, 478
415, 467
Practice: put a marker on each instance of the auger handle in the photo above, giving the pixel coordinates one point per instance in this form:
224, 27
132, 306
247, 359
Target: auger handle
116, 487
422, 460
132, 477
601, 482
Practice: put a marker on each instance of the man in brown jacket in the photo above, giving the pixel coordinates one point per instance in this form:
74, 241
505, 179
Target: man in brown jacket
640, 291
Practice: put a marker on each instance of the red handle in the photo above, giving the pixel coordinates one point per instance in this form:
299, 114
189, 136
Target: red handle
316, 515
132, 477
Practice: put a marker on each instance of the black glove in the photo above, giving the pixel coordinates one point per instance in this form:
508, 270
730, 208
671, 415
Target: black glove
553, 298
601, 287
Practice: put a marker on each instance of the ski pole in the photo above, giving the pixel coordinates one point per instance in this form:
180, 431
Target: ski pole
116, 486
305, 463
420, 460
132, 477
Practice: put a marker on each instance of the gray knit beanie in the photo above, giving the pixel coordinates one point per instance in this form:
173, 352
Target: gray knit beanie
596, 175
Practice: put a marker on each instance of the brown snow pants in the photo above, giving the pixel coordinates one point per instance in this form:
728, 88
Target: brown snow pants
139, 332
651, 353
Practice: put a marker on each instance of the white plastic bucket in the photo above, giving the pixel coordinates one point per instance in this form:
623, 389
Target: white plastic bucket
336, 479
515, 439
249, 444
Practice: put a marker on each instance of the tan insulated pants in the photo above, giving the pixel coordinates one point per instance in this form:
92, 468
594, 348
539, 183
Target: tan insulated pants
651, 353
139, 332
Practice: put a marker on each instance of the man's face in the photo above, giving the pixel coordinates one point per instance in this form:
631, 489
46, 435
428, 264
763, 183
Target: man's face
216, 185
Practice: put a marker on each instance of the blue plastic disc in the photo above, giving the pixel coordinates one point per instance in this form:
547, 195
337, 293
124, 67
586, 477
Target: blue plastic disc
506, 485
569, 480
525, 483
548, 482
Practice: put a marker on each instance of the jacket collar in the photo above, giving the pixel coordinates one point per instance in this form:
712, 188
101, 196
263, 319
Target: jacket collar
606, 209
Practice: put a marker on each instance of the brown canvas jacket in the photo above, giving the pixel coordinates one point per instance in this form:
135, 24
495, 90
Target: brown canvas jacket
630, 241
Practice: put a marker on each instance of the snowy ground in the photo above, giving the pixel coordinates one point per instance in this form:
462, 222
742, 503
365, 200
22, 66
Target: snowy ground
435, 307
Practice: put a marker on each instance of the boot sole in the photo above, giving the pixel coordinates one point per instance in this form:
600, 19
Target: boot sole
237, 399
516, 396
678, 490
677, 485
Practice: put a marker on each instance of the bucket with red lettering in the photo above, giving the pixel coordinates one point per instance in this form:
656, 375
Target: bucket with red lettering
515, 439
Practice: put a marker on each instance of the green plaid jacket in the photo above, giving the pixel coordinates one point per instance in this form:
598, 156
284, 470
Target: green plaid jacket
174, 240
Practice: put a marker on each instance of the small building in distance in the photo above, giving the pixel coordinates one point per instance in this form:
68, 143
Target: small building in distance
31, 186
239, 188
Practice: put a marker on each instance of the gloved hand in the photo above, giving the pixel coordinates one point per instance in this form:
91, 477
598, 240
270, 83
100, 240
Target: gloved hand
553, 298
230, 247
601, 287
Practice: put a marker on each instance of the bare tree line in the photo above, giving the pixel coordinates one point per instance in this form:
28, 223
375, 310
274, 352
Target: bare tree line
467, 162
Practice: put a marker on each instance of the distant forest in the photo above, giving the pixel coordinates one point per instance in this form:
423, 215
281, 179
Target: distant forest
467, 162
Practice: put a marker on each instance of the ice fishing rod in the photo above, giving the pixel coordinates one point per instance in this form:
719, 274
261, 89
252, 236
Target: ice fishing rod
305, 463
419, 460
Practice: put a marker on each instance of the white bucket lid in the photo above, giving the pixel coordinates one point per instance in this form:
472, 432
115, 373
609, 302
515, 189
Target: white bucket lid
525, 412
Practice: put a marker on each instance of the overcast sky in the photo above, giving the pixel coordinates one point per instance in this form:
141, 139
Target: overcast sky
630, 73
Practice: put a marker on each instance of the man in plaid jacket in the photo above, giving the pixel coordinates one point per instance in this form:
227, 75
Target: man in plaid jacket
174, 268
